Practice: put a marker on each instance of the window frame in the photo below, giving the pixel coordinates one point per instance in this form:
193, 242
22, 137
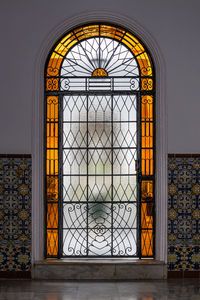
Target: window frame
37, 121
142, 93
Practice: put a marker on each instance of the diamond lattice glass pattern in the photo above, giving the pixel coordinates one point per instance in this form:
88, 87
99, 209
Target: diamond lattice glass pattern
108, 169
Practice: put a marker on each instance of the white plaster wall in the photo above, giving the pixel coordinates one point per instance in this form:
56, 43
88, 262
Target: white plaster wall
174, 24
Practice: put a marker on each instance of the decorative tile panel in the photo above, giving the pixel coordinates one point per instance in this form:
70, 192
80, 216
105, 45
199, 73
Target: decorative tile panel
184, 214
15, 214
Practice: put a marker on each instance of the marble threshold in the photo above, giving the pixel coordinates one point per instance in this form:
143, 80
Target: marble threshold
99, 269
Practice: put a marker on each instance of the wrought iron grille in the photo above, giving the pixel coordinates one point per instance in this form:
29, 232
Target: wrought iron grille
99, 155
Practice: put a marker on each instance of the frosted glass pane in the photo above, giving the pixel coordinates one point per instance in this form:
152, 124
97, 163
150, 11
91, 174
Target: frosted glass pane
74, 108
124, 107
124, 161
124, 188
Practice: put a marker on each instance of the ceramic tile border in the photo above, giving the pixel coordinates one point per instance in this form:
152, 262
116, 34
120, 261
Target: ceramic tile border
183, 274
187, 273
15, 155
184, 155
15, 274
15, 256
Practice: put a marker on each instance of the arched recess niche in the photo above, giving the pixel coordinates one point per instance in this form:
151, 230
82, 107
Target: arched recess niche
37, 127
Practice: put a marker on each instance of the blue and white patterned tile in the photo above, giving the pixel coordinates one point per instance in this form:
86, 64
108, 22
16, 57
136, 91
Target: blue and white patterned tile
15, 214
184, 213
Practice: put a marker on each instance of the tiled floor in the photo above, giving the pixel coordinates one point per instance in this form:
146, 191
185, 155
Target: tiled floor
136, 290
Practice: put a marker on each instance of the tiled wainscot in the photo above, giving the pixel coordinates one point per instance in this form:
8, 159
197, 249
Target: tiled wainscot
184, 213
15, 213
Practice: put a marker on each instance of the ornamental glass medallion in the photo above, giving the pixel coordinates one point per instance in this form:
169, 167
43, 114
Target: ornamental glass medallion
99, 153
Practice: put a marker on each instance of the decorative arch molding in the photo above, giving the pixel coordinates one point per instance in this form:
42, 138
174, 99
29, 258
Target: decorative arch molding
37, 127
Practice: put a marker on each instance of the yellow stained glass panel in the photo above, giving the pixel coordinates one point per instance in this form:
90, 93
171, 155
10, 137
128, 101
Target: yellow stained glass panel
52, 135
54, 64
52, 84
65, 44
52, 162
147, 215
99, 73
145, 64
52, 188
112, 32
52, 109
52, 242
52, 215
87, 32
147, 190
147, 161
147, 242
147, 108
147, 135
147, 84
133, 44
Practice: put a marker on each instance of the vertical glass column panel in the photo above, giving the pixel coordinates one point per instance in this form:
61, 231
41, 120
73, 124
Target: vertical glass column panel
147, 108
147, 217
147, 197
147, 243
52, 162
52, 243
52, 215
147, 190
52, 109
52, 175
52, 188
147, 161
52, 135
147, 135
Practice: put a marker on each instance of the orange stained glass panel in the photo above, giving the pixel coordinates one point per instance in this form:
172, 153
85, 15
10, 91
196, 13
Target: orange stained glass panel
145, 64
52, 109
52, 135
66, 43
52, 162
54, 64
147, 84
147, 242
133, 44
147, 108
52, 242
52, 84
147, 135
147, 190
87, 32
147, 161
52, 215
147, 215
99, 73
147, 129
52, 188
111, 31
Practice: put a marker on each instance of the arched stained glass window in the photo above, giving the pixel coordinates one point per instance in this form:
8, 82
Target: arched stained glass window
100, 145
